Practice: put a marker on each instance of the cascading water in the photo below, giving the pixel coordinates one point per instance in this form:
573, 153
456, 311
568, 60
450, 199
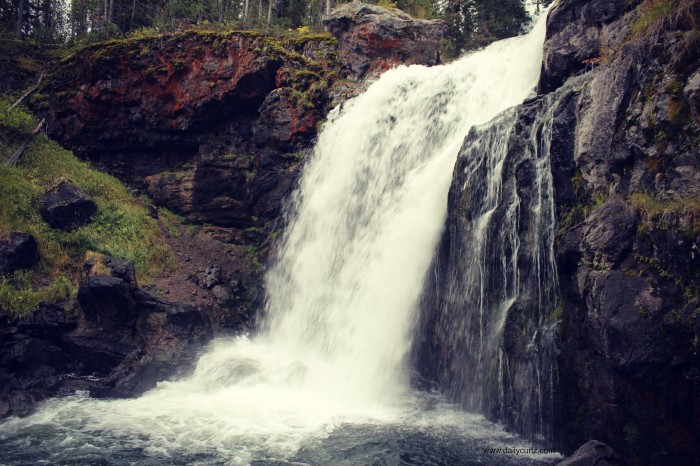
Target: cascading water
490, 304
325, 381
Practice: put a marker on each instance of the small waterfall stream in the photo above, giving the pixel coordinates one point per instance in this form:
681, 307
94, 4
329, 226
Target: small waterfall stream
487, 332
326, 380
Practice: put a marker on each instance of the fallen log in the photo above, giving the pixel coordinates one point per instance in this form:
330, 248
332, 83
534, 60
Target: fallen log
18, 153
28, 93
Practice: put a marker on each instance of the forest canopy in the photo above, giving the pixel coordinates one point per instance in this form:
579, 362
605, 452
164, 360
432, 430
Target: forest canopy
471, 22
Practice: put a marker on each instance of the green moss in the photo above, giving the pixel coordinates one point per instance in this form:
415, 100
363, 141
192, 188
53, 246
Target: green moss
250, 176
677, 211
121, 228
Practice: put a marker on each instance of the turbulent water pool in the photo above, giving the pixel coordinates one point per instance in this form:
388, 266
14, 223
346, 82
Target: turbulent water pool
266, 418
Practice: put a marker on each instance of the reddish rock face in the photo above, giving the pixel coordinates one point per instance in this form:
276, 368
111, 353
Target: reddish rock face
213, 125
374, 39
139, 95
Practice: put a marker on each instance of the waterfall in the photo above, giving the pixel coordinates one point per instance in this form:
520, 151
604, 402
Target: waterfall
489, 306
343, 297
370, 209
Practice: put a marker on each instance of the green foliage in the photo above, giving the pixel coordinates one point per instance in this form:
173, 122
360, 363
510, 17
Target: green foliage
475, 23
15, 124
18, 295
650, 13
121, 228
656, 16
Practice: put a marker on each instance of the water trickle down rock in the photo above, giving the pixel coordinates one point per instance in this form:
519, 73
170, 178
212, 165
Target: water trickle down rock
485, 334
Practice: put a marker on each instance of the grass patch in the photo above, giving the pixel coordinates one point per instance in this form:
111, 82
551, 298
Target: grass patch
19, 296
681, 211
657, 16
171, 221
121, 228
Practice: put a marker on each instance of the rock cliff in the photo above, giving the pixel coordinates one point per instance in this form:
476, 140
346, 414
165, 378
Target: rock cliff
613, 354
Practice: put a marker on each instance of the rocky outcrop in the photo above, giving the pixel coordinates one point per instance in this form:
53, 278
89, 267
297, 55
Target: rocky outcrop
373, 39
213, 125
625, 176
580, 32
198, 110
17, 251
123, 343
67, 206
626, 250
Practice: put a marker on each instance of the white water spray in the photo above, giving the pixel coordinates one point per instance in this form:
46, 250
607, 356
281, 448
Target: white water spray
342, 297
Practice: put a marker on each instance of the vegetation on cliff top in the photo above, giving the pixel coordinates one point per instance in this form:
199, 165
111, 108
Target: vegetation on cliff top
471, 23
121, 228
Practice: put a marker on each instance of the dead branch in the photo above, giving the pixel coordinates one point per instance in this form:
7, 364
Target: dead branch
18, 153
28, 93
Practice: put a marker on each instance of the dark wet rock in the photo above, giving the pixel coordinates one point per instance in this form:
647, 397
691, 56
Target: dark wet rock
67, 206
374, 39
17, 251
594, 453
124, 342
628, 275
33, 357
608, 234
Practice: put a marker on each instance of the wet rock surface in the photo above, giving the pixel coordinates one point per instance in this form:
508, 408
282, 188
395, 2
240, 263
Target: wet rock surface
594, 453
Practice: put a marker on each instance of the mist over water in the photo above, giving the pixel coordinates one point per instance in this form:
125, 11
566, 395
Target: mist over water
325, 381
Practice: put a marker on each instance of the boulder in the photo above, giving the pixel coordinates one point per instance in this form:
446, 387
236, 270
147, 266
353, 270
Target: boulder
594, 453
373, 39
67, 206
17, 251
212, 276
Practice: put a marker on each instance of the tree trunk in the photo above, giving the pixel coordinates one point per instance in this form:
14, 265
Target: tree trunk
133, 12
328, 7
20, 19
269, 11
19, 101
245, 10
